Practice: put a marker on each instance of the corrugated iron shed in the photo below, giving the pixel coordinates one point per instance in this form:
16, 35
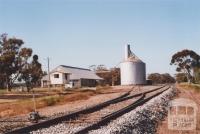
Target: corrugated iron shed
76, 73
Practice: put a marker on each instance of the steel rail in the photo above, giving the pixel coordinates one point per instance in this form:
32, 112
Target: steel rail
105, 120
74, 115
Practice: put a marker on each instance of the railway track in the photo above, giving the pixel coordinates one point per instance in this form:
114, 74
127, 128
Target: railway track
105, 120
72, 118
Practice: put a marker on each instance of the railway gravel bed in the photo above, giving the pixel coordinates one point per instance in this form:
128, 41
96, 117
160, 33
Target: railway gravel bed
142, 120
72, 127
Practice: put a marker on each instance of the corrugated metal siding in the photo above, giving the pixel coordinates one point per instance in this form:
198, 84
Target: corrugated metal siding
133, 73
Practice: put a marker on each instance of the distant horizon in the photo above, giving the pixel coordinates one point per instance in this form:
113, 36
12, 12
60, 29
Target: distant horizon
83, 33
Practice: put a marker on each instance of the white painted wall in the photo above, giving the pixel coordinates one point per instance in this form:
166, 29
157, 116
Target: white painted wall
56, 80
60, 80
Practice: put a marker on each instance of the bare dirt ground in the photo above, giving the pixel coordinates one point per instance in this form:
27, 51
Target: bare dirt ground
188, 94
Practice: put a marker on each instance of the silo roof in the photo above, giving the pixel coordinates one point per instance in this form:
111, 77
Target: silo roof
134, 59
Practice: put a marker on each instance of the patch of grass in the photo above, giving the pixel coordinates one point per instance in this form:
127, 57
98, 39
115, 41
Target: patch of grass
195, 87
26, 105
100, 89
2, 91
52, 100
52, 90
78, 96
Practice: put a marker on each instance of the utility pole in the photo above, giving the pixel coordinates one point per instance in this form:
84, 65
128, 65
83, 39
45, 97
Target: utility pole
49, 81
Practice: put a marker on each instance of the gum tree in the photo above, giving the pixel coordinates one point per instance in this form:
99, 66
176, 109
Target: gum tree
186, 62
13, 57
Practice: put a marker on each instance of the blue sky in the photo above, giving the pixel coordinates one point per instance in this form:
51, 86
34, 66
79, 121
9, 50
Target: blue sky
86, 32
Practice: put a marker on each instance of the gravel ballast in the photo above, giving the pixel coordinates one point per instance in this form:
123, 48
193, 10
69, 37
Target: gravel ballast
142, 120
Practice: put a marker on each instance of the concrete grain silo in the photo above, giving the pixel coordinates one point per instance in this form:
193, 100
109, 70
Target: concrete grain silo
133, 70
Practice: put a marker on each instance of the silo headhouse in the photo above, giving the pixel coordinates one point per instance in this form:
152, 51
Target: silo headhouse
133, 70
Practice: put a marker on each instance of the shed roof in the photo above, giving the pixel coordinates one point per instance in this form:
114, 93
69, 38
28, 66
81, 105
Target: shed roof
76, 72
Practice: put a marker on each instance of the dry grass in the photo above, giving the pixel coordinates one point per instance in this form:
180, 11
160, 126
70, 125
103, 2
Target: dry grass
26, 105
195, 87
51, 90
2, 91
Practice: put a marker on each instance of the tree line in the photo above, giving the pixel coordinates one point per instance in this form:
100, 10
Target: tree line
17, 63
157, 78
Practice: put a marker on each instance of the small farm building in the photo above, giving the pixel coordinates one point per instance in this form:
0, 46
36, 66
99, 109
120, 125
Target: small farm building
71, 77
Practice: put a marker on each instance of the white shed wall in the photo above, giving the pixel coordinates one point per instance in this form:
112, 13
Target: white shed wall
55, 81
